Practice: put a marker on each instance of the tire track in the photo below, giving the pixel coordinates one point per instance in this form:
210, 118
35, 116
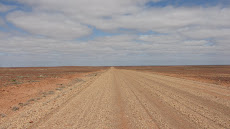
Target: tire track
169, 115
124, 99
198, 110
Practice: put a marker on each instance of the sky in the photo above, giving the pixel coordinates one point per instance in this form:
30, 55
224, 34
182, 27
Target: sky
114, 32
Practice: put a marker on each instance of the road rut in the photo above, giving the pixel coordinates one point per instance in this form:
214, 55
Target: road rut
130, 99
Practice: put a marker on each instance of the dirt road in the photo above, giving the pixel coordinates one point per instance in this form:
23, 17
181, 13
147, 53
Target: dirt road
130, 99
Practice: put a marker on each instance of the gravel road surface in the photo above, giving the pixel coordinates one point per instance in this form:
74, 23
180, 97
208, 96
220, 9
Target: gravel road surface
125, 99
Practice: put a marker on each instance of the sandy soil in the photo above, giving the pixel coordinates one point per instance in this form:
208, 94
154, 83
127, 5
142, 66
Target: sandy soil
20, 87
216, 74
21, 75
120, 98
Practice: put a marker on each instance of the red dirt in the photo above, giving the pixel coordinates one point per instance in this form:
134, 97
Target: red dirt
20, 85
129, 99
216, 74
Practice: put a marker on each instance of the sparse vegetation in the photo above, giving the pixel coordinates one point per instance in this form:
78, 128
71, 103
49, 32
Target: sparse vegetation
15, 108
34, 81
17, 85
216, 74
79, 80
38, 98
21, 104
2, 115
47, 93
51, 92
41, 76
31, 100
59, 89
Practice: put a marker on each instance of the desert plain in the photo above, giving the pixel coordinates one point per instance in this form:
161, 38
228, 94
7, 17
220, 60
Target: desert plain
125, 97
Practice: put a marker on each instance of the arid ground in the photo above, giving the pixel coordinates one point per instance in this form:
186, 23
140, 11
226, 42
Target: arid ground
216, 74
179, 97
22, 86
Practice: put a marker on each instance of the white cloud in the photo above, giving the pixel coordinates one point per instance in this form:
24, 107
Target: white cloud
168, 19
4, 35
55, 25
2, 23
162, 33
196, 43
156, 0
108, 49
5, 8
162, 39
205, 32
110, 15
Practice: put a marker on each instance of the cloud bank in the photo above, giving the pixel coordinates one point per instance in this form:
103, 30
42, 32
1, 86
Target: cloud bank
108, 32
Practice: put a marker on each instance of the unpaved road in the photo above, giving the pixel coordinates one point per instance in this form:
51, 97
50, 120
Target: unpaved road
129, 99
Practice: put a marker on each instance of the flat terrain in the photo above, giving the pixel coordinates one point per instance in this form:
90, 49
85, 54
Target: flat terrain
119, 98
21, 75
216, 74
20, 87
